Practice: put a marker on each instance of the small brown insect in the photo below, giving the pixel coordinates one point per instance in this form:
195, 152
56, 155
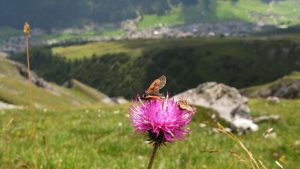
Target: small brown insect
152, 92
183, 104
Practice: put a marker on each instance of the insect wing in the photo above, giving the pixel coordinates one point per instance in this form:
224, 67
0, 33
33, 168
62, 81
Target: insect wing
185, 106
156, 85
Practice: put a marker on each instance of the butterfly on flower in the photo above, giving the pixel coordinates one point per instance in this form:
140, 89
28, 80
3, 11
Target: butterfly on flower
183, 105
152, 93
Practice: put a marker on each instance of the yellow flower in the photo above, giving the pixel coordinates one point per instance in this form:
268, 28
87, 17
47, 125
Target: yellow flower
26, 28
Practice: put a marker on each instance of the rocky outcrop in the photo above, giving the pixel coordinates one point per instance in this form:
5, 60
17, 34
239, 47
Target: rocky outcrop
7, 106
40, 82
225, 100
285, 89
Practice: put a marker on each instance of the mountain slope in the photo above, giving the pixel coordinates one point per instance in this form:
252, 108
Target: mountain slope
14, 90
66, 13
75, 13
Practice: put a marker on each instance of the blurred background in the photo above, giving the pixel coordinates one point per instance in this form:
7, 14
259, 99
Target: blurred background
89, 58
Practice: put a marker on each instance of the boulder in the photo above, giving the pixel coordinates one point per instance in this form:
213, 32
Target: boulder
225, 100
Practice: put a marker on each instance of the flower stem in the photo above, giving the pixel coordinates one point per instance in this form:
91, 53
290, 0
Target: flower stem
156, 145
30, 104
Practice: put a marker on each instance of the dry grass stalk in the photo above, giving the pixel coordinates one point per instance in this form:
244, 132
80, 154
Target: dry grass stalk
238, 156
262, 164
252, 160
30, 103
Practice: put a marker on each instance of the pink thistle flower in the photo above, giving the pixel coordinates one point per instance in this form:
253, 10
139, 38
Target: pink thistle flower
162, 120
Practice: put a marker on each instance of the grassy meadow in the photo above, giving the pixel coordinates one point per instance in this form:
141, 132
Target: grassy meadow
248, 10
101, 137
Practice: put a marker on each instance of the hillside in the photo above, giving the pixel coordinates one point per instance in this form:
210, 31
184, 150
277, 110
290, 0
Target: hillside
66, 13
14, 90
287, 86
128, 67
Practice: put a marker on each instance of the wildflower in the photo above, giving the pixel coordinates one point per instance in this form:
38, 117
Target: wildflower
162, 120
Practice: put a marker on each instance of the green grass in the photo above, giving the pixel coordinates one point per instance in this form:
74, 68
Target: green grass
173, 17
101, 137
109, 33
87, 91
98, 48
225, 10
242, 10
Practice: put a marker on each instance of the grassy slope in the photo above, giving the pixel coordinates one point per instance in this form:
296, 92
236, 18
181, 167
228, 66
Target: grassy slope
102, 137
225, 10
173, 17
293, 76
98, 48
85, 90
289, 10
14, 88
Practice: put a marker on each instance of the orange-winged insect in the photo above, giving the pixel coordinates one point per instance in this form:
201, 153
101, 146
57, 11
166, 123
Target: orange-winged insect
152, 92
183, 104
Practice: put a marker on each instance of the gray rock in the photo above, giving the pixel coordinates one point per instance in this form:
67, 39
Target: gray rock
8, 106
40, 82
225, 100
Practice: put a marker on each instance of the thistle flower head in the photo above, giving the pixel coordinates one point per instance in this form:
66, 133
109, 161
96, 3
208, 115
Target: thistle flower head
161, 120
26, 28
